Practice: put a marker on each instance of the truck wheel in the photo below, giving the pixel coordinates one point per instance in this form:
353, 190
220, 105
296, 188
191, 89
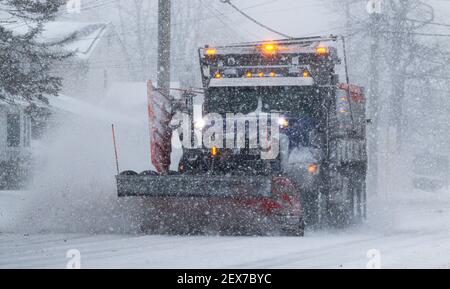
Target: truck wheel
148, 173
337, 215
310, 206
360, 196
346, 204
340, 200
297, 230
128, 173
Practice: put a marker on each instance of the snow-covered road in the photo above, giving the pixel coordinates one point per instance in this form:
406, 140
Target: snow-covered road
407, 234
406, 250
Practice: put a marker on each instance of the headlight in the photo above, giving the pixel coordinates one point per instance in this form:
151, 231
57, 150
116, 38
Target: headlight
199, 124
283, 122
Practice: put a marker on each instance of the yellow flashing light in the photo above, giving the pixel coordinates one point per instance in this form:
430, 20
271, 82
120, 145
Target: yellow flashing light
210, 51
269, 48
322, 50
214, 151
313, 168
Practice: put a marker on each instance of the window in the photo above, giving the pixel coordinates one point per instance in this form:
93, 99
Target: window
26, 135
307, 101
13, 130
232, 100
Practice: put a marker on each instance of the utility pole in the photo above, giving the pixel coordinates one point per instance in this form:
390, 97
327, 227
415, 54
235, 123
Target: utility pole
347, 20
374, 9
164, 34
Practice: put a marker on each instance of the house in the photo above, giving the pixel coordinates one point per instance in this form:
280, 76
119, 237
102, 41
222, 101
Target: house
96, 60
15, 140
86, 75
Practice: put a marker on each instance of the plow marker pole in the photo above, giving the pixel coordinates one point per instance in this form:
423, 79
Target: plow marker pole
115, 148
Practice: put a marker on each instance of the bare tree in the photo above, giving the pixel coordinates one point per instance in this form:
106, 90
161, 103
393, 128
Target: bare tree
137, 33
410, 65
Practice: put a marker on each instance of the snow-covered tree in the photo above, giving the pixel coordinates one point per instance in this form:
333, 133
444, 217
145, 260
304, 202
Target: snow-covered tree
25, 61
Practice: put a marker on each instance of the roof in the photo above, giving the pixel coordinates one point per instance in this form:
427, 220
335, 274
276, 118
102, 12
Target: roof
283, 46
6, 99
85, 35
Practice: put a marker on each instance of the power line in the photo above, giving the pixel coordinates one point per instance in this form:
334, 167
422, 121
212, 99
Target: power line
261, 4
418, 33
220, 19
428, 22
254, 20
197, 20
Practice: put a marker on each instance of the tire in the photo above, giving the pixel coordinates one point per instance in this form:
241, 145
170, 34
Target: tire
346, 202
297, 230
310, 207
148, 173
128, 173
360, 193
338, 216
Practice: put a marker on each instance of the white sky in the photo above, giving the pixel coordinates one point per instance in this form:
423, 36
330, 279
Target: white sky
298, 17
293, 17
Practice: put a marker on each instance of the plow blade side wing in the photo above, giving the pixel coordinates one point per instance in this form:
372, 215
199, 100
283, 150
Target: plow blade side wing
194, 186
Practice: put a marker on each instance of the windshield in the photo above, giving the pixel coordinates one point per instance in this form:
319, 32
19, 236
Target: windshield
231, 100
305, 101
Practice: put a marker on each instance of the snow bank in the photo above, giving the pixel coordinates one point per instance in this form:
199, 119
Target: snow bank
410, 211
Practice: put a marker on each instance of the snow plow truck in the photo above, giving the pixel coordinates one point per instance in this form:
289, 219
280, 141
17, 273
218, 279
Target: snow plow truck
279, 138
